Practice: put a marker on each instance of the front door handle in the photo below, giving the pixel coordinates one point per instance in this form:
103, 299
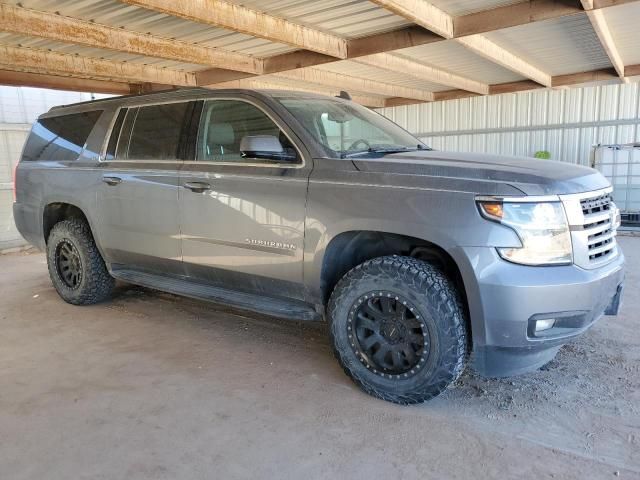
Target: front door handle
112, 181
197, 187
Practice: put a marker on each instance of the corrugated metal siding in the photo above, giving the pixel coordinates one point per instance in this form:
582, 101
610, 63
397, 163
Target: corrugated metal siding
567, 122
19, 107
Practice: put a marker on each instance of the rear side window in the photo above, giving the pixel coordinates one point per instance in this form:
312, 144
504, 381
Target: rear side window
157, 132
60, 139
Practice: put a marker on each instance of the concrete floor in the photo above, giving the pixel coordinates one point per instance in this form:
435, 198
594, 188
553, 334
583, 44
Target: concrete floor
152, 386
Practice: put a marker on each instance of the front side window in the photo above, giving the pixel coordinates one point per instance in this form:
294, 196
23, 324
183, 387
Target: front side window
230, 129
346, 129
60, 139
157, 132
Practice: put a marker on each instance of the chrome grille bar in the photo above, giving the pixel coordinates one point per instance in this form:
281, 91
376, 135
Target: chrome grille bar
591, 221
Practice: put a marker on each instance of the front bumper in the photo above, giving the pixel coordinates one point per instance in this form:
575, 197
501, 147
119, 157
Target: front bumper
506, 299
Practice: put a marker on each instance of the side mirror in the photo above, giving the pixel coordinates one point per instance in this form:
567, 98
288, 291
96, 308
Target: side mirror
265, 147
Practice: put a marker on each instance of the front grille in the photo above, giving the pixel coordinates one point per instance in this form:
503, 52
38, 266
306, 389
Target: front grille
591, 218
598, 227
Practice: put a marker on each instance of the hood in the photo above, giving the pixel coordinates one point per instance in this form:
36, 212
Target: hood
531, 176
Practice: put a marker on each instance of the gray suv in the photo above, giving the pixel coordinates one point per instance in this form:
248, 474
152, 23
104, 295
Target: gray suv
311, 207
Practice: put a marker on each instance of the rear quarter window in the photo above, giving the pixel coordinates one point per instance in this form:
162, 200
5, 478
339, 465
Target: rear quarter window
61, 138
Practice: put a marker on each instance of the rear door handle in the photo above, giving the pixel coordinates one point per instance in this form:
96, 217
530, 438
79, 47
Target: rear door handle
113, 181
197, 187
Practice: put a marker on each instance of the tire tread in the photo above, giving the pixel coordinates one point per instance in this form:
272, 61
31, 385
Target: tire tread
98, 284
440, 291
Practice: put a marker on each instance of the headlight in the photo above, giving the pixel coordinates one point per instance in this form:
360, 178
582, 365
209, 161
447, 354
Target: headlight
542, 227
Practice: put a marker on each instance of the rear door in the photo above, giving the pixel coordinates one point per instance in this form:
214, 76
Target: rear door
242, 218
138, 198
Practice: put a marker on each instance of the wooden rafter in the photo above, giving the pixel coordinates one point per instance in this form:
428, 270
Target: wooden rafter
427, 73
600, 26
64, 29
422, 13
513, 15
265, 83
25, 79
427, 15
345, 82
573, 79
251, 22
484, 47
41, 61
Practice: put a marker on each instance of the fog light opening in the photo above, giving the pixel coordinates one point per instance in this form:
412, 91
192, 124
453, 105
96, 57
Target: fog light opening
545, 324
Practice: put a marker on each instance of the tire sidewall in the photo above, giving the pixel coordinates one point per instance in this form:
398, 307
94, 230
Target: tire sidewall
59, 234
433, 374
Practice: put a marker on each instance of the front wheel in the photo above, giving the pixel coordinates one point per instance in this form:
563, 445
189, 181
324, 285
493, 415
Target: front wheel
398, 329
76, 267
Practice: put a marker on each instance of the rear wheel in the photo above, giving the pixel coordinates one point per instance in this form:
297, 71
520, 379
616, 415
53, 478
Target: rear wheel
398, 329
76, 267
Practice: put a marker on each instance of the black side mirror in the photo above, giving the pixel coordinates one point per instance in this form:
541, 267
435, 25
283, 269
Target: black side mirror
265, 147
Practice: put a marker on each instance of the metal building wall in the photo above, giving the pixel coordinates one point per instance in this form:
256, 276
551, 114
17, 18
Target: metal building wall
19, 107
564, 122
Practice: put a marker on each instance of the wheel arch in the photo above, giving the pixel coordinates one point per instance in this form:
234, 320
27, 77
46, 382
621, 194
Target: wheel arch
57, 211
351, 248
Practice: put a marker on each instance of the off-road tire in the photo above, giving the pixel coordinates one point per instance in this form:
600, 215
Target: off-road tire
96, 284
433, 296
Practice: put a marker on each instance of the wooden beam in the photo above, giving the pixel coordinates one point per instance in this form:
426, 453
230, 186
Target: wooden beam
597, 4
70, 30
514, 87
513, 15
422, 13
600, 26
395, 40
602, 75
25, 79
41, 61
219, 75
241, 19
295, 60
573, 79
523, 13
484, 47
424, 72
263, 83
430, 17
345, 82
493, 19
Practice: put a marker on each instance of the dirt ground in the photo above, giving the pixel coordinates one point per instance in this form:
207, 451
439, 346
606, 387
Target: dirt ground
153, 386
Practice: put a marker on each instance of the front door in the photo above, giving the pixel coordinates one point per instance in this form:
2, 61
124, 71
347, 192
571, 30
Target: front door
138, 199
242, 217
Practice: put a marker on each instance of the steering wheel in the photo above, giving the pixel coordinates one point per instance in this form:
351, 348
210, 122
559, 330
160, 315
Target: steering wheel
358, 142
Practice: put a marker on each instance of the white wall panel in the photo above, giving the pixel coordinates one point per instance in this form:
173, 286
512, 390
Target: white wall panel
565, 122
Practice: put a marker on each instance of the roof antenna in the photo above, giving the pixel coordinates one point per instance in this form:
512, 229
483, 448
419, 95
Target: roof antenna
344, 95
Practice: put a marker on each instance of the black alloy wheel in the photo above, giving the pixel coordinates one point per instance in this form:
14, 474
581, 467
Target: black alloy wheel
68, 264
388, 335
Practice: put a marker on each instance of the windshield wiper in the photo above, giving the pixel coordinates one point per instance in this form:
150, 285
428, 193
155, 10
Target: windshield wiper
385, 150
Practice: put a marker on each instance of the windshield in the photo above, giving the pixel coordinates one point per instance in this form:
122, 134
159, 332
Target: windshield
347, 129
